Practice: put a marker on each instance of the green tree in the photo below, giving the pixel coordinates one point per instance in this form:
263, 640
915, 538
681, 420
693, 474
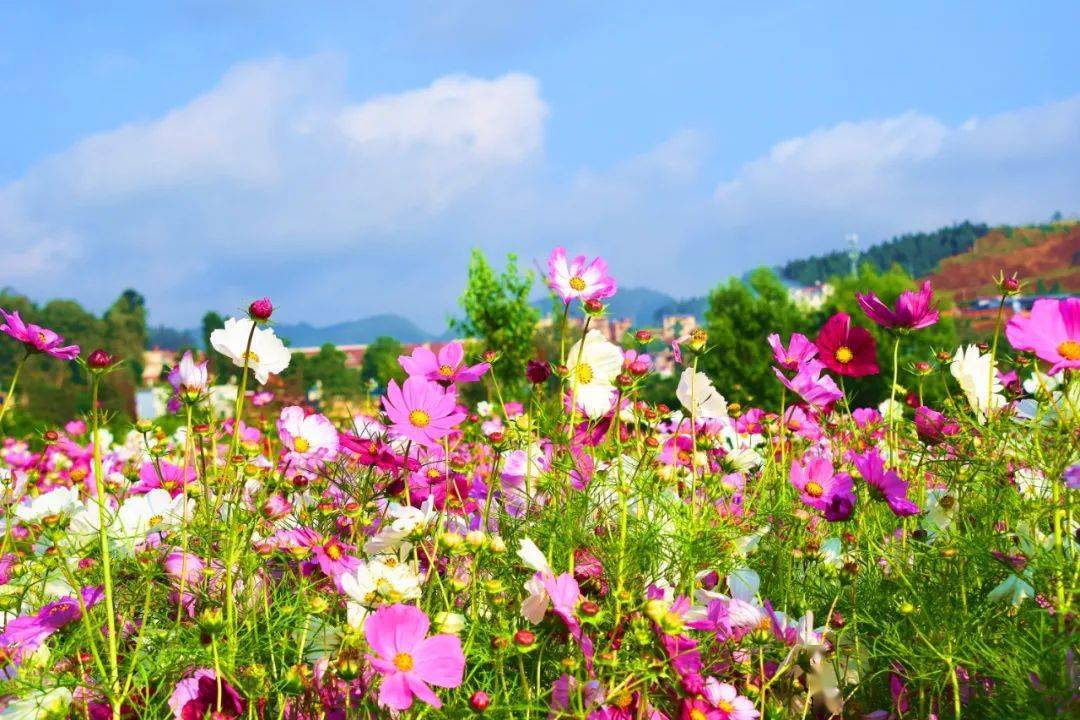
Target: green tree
499, 315
125, 331
381, 361
739, 319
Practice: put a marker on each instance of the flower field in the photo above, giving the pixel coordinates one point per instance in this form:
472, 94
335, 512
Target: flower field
564, 547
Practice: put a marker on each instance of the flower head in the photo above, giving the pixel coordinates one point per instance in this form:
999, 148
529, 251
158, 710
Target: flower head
699, 397
887, 483
818, 485
911, 312
37, 339
577, 278
260, 310
408, 660
1051, 331
815, 389
421, 410
798, 351
593, 363
446, 367
847, 349
976, 373
266, 356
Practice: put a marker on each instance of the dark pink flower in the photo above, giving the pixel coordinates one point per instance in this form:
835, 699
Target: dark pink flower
933, 427
847, 349
446, 367
798, 351
818, 484
1051, 331
36, 338
911, 312
197, 695
887, 483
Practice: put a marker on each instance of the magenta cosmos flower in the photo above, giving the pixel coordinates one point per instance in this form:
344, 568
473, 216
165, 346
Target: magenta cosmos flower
817, 390
818, 485
887, 483
798, 351
847, 349
36, 338
421, 410
911, 312
408, 660
446, 367
1051, 331
578, 279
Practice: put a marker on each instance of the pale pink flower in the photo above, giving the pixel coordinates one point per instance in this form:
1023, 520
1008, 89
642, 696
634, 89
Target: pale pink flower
408, 660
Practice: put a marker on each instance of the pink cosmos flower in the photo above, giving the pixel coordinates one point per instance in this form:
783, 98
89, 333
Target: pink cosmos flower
847, 349
888, 483
911, 312
1051, 331
578, 279
421, 410
308, 439
817, 390
409, 661
798, 351
36, 338
447, 367
932, 426
817, 484
162, 475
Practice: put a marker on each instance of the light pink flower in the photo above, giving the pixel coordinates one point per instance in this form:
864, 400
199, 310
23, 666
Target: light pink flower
307, 439
408, 660
577, 278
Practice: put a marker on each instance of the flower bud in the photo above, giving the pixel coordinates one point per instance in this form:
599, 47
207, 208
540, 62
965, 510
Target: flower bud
537, 371
524, 638
99, 360
593, 306
480, 701
643, 336
260, 310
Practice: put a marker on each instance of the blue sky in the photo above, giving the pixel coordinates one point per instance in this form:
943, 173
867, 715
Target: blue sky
344, 157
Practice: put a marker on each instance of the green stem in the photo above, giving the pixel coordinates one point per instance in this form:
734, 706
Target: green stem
11, 388
103, 539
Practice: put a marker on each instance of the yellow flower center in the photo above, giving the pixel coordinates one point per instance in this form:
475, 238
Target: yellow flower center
584, 373
696, 714
252, 357
446, 370
403, 662
333, 551
156, 520
814, 489
419, 418
844, 354
1070, 350
301, 444
41, 336
577, 283
725, 706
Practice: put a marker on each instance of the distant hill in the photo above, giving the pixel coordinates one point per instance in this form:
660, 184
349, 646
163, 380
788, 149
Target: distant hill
1047, 257
918, 253
360, 331
644, 306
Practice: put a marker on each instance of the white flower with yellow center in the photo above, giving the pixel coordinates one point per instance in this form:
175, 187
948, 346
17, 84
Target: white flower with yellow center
266, 356
593, 363
39, 705
381, 581
54, 504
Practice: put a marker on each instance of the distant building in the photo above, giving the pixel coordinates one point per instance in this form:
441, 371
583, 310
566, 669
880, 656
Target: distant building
675, 326
811, 297
155, 361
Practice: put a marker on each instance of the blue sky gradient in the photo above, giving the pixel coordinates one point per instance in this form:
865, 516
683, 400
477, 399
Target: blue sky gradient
713, 136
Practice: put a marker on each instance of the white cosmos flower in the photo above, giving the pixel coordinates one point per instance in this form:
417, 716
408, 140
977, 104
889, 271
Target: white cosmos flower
61, 501
39, 705
404, 521
699, 397
379, 582
941, 508
155, 511
533, 557
977, 375
593, 363
268, 355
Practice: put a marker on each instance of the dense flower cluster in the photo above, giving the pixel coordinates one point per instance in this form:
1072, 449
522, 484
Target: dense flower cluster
572, 552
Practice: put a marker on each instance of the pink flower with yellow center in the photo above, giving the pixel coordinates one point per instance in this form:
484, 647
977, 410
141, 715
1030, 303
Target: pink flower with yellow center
445, 367
421, 410
577, 278
37, 339
1051, 331
408, 660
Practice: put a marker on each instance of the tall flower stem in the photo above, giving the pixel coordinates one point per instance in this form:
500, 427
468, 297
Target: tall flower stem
240, 392
892, 395
11, 388
103, 539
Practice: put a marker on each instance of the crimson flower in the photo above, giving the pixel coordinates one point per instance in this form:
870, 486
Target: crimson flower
847, 349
